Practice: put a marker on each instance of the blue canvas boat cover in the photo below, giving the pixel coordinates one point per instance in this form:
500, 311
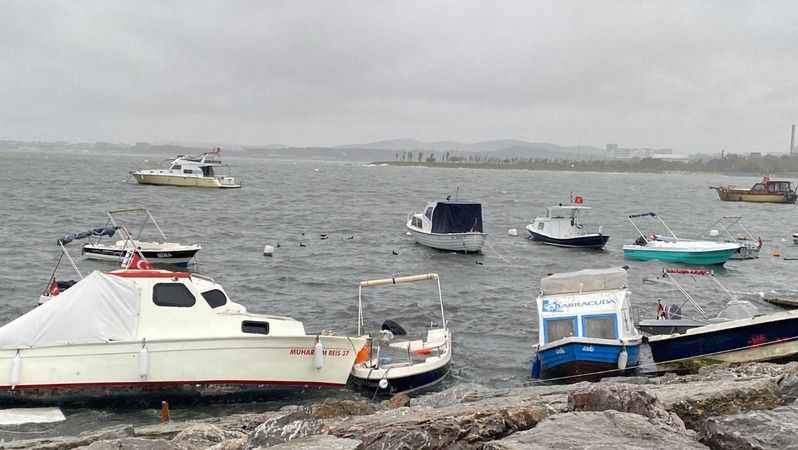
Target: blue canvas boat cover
96, 232
457, 217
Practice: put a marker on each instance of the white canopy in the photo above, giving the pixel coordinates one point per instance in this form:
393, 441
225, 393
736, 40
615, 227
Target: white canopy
584, 281
98, 308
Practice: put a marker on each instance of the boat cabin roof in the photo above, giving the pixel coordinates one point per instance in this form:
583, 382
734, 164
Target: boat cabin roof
563, 211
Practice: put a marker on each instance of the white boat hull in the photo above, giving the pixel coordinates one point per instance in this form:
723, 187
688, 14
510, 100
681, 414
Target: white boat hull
186, 181
178, 256
56, 373
457, 242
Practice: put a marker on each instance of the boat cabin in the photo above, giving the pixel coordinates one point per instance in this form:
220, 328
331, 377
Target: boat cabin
586, 304
201, 165
562, 220
449, 217
768, 186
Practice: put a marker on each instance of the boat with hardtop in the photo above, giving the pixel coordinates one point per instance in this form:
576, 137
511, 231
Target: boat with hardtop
453, 225
765, 191
562, 226
203, 170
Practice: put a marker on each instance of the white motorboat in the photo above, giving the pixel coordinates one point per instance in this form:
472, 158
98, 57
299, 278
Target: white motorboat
157, 252
387, 366
449, 225
139, 333
191, 171
734, 230
562, 227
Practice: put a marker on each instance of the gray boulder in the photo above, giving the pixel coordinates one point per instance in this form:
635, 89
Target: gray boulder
624, 398
776, 429
604, 430
317, 442
290, 422
130, 443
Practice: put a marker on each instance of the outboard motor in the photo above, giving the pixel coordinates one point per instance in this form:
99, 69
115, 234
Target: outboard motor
393, 327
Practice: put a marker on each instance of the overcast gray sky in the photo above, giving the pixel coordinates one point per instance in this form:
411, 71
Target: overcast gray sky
694, 76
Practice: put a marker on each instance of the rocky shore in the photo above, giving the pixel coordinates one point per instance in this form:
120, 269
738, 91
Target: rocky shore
749, 406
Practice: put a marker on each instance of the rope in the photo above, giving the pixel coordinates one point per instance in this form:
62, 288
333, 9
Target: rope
654, 364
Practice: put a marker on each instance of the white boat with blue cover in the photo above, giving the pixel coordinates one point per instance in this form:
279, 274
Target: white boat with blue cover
449, 225
674, 249
586, 329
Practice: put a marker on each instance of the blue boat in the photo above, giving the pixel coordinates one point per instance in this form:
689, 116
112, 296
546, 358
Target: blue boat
586, 328
676, 250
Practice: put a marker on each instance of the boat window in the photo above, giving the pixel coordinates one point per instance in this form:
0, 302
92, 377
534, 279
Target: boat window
428, 213
188, 171
759, 187
251, 326
602, 327
540, 225
172, 294
176, 167
416, 222
207, 171
559, 328
215, 298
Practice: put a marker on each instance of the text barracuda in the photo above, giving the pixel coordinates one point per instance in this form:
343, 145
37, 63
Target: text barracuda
551, 305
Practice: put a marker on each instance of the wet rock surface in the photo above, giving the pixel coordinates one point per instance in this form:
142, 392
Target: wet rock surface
724, 407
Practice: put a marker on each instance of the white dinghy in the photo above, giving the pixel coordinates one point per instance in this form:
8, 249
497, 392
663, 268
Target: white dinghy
130, 333
449, 225
390, 367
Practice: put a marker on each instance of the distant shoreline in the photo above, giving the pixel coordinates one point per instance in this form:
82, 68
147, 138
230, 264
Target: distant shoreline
573, 166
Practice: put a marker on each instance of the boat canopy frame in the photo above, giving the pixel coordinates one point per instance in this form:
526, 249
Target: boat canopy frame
669, 272
655, 216
395, 281
728, 222
125, 231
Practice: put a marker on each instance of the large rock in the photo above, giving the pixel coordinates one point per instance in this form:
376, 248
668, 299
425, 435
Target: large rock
338, 408
317, 442
202, 435
130, 443
291, 422
605, 430
776, 429
459, 393
465, 425
624, 398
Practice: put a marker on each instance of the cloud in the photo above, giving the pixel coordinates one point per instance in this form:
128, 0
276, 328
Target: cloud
695, 76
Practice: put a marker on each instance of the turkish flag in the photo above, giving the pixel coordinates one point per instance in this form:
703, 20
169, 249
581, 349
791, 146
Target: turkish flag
138, 262
53, 288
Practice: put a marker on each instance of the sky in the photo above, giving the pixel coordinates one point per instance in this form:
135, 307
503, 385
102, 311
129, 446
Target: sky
695, 76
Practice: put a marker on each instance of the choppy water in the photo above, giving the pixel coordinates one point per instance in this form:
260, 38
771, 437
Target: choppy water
490, 306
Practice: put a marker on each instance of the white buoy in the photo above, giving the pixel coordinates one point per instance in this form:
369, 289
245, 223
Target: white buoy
16, 370
318, 355
714, 233
623, 359
383, 384
407, 233
512, 232
143, 359
268, 250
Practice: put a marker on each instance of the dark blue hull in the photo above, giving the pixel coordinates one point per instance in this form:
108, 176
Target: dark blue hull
755, 338
578, 361
396, 385
596, 241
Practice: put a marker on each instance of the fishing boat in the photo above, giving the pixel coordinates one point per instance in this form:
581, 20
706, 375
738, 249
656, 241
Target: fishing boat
674, 249
145, 333
734, 230
158, 252
737, 334
389, 366
673, 318
449, 225
766, 191
585, 326
192, 171
562, 227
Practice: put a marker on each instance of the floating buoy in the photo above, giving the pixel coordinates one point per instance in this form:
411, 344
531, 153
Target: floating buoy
512, 232
714, 233
383, 384
407, 233
268, 250
776, 252
318, 355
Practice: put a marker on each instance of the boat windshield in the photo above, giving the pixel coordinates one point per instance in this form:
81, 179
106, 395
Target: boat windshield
779, 186
207, 171
759, 187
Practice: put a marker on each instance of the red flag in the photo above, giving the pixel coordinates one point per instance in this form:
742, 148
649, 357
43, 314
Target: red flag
138, 262
53, 288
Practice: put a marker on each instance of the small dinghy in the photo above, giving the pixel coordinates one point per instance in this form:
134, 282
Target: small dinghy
387, 366
449, 225
158, 252
732, 229
562, 227
585, 326
674, 249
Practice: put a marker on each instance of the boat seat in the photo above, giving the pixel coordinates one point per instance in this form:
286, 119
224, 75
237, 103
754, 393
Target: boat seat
435, 338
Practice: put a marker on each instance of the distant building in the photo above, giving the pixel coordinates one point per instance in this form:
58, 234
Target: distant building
616, 152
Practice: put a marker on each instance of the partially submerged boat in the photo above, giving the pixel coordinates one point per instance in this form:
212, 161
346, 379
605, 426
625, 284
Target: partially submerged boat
734, 230
673, 318
389, 366
585, 326
766, 191
157, 252
562, 227
140, 333
671, 248
449, 225
204, 170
